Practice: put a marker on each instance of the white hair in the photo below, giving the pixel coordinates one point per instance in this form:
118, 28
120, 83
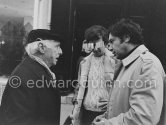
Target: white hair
32, 48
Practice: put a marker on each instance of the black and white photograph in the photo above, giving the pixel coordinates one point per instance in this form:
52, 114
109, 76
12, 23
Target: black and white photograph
82, 62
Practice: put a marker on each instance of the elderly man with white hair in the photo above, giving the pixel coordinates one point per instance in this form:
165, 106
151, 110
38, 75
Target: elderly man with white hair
31, 96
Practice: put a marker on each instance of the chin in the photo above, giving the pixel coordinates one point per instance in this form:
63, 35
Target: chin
55, 63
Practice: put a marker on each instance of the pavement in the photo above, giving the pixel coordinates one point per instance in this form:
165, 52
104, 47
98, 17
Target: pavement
66, 107
66, 110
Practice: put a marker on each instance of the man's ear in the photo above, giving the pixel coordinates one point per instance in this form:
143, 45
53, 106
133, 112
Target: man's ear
41, 47
126, 38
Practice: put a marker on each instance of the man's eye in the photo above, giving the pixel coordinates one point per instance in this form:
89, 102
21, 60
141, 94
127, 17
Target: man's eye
111, 41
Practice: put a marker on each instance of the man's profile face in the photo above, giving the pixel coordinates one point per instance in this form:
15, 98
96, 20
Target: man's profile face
118, 46
53, 52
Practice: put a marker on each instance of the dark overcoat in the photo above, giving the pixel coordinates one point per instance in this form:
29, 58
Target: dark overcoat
30, 97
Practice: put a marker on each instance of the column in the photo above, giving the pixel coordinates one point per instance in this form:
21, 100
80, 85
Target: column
42, 14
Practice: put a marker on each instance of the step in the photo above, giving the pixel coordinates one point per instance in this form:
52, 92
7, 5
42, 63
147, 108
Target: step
67, 99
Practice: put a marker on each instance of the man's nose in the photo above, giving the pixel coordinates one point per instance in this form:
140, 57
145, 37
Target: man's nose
109, 46
60, 51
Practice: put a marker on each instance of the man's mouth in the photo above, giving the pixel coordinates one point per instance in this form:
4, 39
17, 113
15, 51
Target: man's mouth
56, 58
114, 53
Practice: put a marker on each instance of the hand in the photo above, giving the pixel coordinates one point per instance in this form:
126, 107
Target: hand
103, 104
98, 118
100, 122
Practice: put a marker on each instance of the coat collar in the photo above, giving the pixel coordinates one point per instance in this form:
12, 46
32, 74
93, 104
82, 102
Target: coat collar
134, 55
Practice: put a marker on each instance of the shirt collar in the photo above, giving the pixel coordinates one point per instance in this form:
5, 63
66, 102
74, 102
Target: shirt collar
134, 55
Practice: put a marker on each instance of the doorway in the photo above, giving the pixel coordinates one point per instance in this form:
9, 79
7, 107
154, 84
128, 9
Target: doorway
91, 14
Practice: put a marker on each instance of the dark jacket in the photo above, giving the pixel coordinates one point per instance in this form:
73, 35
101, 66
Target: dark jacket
35, 100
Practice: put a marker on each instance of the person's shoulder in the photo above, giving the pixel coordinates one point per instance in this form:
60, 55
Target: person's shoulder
151, 60
28, 68
19, 67
148, 57
87, 58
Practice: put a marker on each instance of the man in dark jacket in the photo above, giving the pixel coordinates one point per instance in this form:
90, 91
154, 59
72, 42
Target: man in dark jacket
31, 96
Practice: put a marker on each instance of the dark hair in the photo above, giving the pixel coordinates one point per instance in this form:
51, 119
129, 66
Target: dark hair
96, 32
126, 27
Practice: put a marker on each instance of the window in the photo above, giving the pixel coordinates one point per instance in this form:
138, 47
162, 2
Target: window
16, 20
